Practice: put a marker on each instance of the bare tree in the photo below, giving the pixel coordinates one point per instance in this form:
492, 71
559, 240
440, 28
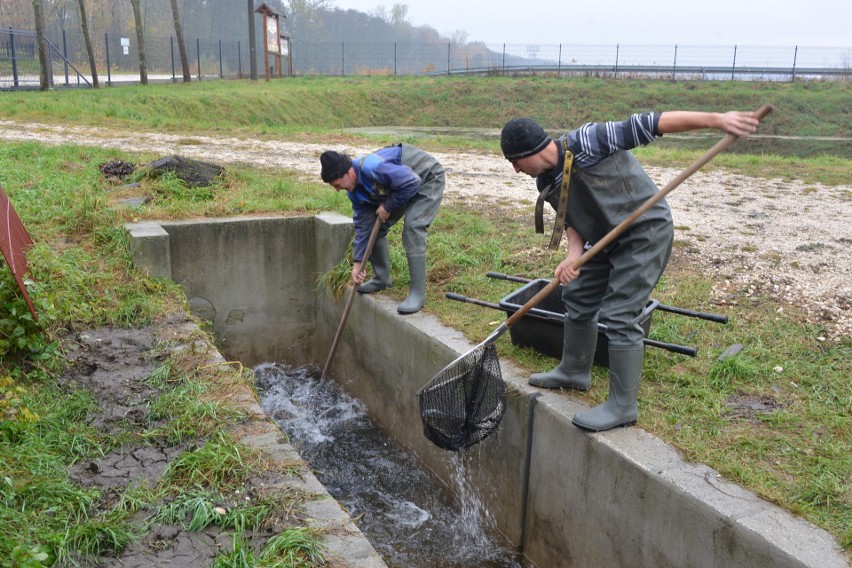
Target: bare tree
84, 24
399, 14
458, 37
44, 78
305, 18
60, 9
140, 39
184, 59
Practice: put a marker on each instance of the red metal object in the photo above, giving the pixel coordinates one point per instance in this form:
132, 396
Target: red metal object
14, 240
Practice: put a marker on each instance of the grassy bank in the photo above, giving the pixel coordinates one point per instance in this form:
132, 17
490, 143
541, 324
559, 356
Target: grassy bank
298, 105
798, 455
51, 425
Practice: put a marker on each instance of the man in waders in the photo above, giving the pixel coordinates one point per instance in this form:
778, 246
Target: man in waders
394, 182
594, 182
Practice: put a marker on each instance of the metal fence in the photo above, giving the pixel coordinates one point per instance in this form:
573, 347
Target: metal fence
672, 61
117, 60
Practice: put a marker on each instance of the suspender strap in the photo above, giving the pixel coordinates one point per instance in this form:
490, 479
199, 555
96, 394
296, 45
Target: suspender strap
562, 207
539, 211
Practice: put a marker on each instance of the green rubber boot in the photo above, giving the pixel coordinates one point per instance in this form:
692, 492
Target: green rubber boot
578, 352
380, 260
620, 409
417, 291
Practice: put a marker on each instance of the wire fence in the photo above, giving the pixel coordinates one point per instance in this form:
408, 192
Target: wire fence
117, 60
663, 61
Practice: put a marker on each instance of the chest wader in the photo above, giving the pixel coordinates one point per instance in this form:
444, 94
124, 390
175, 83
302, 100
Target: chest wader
579, 337
419, 213
637, 262
379, 259
607, 193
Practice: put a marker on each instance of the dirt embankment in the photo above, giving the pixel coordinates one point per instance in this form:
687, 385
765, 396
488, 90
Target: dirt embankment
754, 236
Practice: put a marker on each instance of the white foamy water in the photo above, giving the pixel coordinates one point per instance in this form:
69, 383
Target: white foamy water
412, 519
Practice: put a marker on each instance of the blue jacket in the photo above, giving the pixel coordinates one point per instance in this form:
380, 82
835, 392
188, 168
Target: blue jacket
382, 179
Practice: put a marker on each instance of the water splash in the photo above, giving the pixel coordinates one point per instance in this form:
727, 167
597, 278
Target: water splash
411, 518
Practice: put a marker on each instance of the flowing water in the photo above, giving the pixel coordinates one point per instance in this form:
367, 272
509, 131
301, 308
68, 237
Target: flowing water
405, 511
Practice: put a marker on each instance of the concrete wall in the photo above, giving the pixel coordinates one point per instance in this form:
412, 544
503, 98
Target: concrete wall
253, 278
619, 498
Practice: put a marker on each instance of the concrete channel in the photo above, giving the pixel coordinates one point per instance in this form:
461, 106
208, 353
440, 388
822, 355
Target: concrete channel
619, 498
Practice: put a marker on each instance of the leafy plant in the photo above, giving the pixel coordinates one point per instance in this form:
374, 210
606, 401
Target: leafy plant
21, 337
11, 404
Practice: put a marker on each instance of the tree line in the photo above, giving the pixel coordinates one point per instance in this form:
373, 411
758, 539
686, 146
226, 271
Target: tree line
306, 21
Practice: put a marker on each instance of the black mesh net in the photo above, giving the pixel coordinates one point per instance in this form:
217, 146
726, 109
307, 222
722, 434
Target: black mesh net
464, 404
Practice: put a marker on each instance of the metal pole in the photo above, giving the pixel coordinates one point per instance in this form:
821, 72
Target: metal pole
49, 62
448, 58
674, 66
617, 47
239, 60
109, 71
221, 75
559, 65
394, 59
15, 80
342, 59
531, 404
198, 56
795, 55
65, 54
734, 65
172, 50
504, 59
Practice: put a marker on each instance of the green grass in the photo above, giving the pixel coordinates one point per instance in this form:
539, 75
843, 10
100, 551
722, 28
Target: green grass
293, 547
313, 105
221, 462
796, 453
196, 510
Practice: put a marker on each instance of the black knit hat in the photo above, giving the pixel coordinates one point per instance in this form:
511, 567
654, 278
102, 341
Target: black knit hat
522, 137
334, 165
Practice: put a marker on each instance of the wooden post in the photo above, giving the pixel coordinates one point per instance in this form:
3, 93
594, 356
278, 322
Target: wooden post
265, 45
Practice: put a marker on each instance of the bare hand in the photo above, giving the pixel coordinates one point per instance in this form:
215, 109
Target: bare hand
358, 274
739, 123
382, 213
566, 272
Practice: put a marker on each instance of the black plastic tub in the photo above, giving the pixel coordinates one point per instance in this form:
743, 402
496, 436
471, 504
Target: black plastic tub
543, 327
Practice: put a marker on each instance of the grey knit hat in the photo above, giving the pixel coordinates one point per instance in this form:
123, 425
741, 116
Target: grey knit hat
522, 137
334, 165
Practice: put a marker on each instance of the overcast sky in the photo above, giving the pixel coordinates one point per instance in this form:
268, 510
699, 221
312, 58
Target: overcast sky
810, 23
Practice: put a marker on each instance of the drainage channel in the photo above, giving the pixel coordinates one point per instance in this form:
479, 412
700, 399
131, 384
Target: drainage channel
410, 517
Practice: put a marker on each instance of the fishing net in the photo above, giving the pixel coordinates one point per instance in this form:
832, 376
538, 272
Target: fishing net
463, 404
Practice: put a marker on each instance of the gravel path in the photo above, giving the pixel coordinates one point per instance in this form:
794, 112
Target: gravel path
754, 236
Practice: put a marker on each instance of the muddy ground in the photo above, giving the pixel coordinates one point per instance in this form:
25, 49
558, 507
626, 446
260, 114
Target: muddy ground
113, 364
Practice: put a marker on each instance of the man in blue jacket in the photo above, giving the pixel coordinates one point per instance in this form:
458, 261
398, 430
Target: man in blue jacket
592, 180
393, 183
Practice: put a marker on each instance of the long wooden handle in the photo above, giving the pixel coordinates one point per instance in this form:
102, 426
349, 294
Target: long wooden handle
348, 306
621, 227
